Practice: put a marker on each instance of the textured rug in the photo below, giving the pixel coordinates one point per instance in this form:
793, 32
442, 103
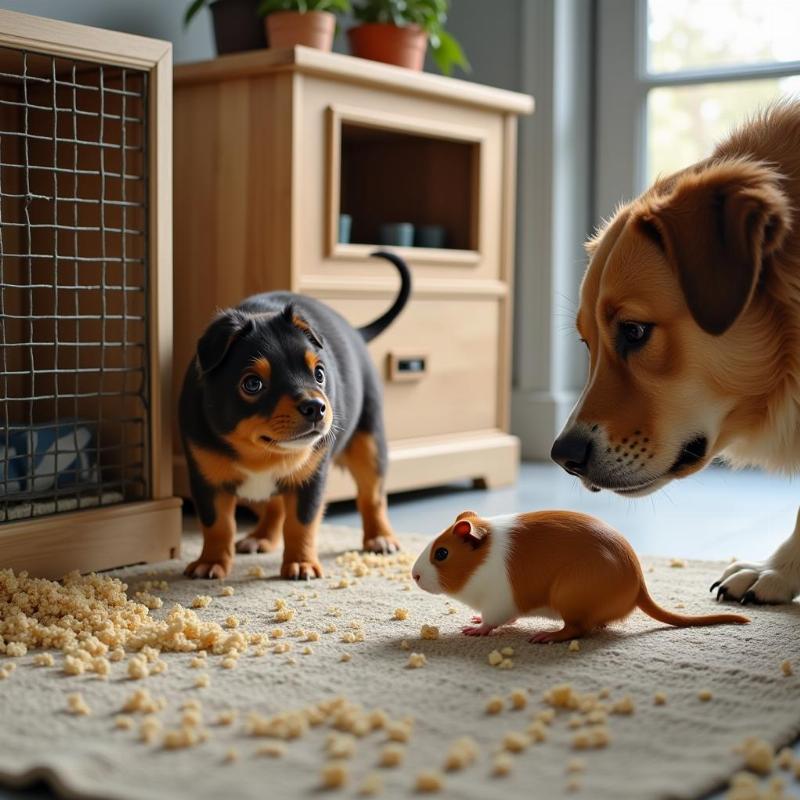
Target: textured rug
682, 748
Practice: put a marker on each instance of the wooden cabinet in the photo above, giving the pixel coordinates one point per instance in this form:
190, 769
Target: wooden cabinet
272, 146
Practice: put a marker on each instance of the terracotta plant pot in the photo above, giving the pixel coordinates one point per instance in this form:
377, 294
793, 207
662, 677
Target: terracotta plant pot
311, 29
391, 44
237, 26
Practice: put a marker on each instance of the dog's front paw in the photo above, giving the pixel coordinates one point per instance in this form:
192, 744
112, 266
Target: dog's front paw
254, 544
385, 544
209, 568
301, 570
757, 583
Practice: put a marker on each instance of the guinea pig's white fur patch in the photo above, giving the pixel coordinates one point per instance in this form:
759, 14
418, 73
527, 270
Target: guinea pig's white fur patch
428, 578
488, 589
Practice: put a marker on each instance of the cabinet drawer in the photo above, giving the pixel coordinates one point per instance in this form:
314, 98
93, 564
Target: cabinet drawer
439, 362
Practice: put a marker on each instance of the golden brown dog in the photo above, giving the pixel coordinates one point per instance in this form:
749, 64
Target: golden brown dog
690, 309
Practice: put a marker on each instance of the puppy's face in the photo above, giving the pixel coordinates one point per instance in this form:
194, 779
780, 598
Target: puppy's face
265, 384
674, 331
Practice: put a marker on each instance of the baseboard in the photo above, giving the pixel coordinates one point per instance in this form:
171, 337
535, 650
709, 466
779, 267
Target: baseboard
537, 418
490, 457
93, 539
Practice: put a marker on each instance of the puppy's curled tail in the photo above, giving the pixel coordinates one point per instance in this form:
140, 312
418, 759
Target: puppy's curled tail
652, 609
378, 326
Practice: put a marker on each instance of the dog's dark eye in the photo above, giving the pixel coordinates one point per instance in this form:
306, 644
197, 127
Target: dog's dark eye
319, 374
632, 336
252, 384
441, 554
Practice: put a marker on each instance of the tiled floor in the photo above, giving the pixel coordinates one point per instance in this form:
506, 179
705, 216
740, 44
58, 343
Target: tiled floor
715, 515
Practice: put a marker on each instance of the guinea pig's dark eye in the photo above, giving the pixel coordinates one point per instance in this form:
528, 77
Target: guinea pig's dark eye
252, 384
319, 374
441, 554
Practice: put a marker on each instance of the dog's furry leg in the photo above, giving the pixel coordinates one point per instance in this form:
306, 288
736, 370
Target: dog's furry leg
218, 519
364, 460
304, 507
777, 580
268, 533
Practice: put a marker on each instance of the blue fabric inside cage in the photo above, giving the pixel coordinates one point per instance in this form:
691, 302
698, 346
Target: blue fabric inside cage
40, 458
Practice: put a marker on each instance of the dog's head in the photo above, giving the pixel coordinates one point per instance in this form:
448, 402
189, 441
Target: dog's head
677, 325
264, 381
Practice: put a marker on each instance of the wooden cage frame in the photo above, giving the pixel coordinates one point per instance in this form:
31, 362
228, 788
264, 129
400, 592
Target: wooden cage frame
138, 531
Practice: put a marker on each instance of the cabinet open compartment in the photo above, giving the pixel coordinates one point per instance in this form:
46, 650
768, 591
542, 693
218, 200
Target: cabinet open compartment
84, 302
420, 178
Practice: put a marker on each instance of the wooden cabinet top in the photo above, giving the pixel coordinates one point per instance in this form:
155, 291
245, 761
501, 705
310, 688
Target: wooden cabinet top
305, 60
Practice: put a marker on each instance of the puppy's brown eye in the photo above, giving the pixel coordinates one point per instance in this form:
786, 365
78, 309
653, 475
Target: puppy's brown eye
632, 336
441, 554
252, 384
319, 374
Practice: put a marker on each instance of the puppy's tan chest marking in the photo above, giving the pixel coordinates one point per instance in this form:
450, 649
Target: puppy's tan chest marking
255, 478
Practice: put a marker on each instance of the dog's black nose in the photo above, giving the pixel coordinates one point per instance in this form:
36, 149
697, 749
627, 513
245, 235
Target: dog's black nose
312, 409
572, 451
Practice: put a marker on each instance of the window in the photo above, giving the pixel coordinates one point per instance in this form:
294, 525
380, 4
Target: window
676, 75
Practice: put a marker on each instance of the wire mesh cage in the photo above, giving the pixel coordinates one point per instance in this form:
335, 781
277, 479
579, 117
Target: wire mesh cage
74, 277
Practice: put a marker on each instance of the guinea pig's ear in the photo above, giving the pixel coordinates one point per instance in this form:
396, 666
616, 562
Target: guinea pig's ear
214, 344
470, 533
466, 515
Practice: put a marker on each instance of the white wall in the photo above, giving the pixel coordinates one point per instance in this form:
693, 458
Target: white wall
161, 19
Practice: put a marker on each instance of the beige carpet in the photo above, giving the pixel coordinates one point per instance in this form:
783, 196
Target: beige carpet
680, 749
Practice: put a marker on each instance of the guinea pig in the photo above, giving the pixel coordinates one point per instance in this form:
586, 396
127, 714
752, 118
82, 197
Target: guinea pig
558, 564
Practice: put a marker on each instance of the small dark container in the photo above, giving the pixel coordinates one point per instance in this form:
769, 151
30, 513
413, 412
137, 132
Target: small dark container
430, 236
237, 26
398, 234
345, 226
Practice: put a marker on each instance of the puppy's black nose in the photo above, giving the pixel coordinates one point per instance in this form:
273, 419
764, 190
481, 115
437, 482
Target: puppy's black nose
312, 409
572, 451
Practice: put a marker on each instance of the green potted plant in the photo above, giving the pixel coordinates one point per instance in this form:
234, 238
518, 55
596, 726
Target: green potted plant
307, 22
237, 25
399, 31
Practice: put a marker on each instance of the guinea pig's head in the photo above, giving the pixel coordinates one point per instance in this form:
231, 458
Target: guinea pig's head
447, 563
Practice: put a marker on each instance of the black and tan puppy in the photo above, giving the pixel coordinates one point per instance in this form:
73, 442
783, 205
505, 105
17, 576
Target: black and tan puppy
280, 388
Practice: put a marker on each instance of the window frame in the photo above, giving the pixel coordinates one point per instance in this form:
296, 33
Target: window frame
623, 84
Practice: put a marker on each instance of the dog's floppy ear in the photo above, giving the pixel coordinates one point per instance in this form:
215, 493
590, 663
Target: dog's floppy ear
717, 227
293, 318
214, 344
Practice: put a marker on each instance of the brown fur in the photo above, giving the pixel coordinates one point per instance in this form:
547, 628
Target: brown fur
361, 459
586, 572
711, 256
217, 556
300, 548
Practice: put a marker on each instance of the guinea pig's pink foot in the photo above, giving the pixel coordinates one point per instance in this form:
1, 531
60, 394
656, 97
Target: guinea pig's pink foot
548, 637
477, 630
476, 619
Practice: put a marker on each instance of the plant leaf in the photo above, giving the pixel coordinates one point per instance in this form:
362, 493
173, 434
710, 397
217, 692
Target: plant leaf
192, 10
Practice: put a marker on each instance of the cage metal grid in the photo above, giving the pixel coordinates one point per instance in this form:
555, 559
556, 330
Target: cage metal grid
73, 284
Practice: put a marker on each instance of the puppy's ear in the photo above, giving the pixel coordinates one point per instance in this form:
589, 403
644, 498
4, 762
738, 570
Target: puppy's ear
214, 344
717, 227
293, 318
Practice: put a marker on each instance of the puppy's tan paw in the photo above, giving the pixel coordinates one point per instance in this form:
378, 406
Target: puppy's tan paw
252, 544
382, 544
301, 570
215, 569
